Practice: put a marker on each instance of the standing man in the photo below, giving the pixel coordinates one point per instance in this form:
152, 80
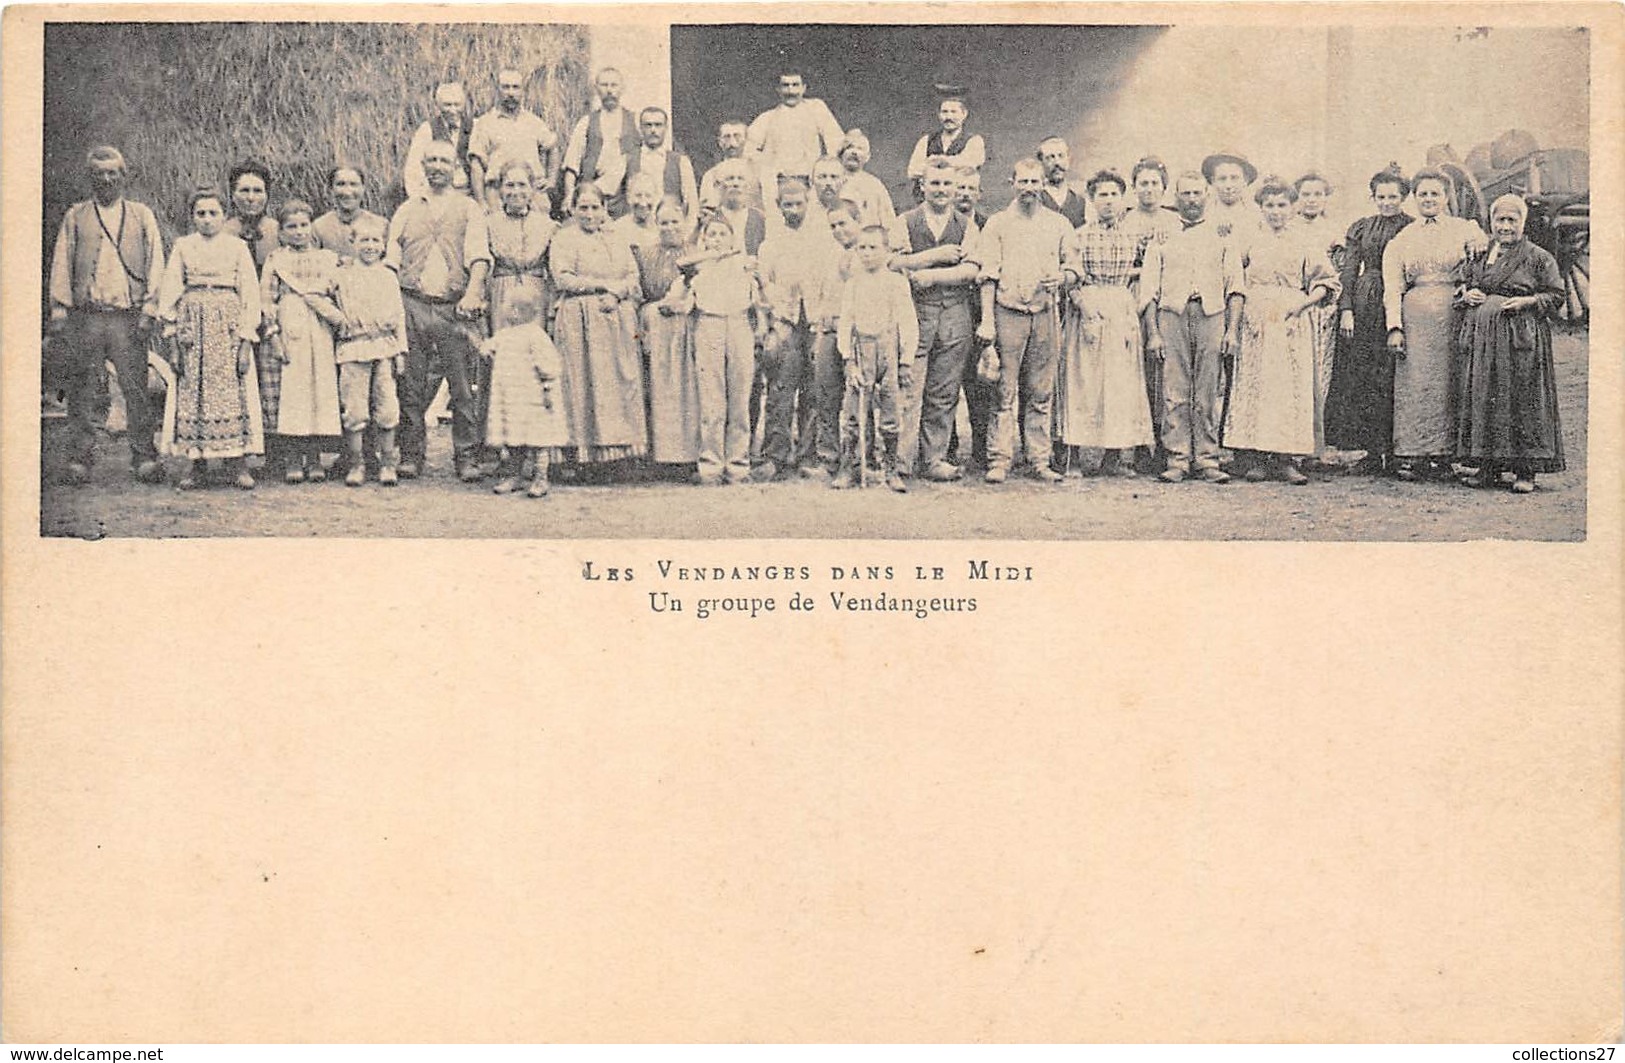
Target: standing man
103, 287
792, 136
441, 252
796, 265
1023, 256
669, 167
1231, 211
968, 195
509, 133
600, 145
859, 185
450, 123
1191, 282
731, 142
979, 395
1149, 219
951, 142
335, 230
933, 241
1058, 194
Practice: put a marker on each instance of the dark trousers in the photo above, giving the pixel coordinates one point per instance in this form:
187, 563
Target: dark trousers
438, 347
819, 416
789, 374
947, 333
89, 340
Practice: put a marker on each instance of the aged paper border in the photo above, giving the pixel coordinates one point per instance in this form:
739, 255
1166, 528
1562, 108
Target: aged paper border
438, 790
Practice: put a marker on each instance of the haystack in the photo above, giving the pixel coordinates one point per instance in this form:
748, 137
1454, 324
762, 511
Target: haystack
186, 101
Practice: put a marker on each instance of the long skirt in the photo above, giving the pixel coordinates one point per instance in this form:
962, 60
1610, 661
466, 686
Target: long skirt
1422, 378
1100, 385
1322, 321
217, 412
1506, 397
674, 387
1360, 400
1272, 391
307, 402
603, 380
524, 410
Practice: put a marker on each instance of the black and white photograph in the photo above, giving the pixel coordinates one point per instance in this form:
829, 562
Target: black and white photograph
815, 281
887, 524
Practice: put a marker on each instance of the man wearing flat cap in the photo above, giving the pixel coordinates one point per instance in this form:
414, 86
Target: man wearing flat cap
1231, 212
951, 143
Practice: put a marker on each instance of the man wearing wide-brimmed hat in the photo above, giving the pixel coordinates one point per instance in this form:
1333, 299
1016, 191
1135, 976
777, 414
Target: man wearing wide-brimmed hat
1231, 212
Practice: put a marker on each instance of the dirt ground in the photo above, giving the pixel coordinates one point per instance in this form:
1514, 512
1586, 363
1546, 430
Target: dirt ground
1335, 506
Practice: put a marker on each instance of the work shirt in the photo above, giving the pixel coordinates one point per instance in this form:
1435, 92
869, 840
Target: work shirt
1194, 263
1015, 251
433, 240
87, 257
796, 267
875, 305
791, 139
500, 138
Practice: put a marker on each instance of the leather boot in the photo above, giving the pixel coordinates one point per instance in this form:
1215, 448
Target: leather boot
894, 473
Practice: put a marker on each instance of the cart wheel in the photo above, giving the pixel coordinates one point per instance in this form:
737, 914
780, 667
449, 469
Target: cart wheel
1574, 263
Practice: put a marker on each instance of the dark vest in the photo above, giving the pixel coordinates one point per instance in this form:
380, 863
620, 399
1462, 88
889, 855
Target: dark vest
671, 181
132, 248
1071, 208
595, 143
933, 143
920, 239
457, 138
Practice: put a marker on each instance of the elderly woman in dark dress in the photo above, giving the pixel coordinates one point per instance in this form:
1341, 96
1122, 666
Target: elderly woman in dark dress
1359, 410
1506, 396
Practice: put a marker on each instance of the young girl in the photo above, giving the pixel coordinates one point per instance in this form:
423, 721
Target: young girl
209, 302
371, 350
298, 389
527, 404
725, 295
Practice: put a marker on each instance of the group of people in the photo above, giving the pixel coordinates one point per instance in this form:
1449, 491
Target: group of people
778, 316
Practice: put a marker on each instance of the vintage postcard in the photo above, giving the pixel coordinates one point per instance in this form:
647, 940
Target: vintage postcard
892, 522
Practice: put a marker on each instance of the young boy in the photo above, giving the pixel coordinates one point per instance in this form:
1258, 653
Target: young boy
371, 350
878, 332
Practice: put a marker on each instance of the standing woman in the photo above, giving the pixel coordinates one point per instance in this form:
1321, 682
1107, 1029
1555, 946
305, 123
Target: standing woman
517, 290
209, 302
1100, 390
520, 236
674, 395
1360, 400
1506, 396
1420, 270
595, 328
1272, 391
250, 221
1313, 192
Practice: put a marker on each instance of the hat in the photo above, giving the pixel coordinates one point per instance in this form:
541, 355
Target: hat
946, 92
1212, 162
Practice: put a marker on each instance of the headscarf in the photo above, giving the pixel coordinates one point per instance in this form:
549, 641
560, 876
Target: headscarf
1519, 207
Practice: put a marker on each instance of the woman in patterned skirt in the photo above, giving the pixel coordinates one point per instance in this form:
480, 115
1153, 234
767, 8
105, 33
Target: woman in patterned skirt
209, 302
